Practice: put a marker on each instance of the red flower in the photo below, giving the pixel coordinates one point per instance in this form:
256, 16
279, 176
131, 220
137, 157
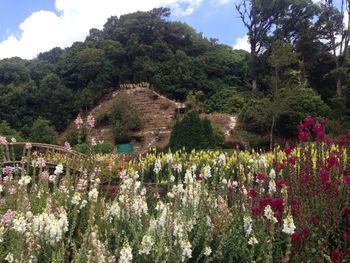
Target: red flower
263, 202
342, 141
253, 193
287, 149
337, 255
314, 220
346, 212
318, 128
325, 178
332, 161
306, 231
306, 178
280, 183
277, 204
328, 140
293, 251
303, 136
296, 237
291, 160
308, 121
260, 176
300, 126
255, 210
347, 180
346, 236
114, 190
320, 137
348, 135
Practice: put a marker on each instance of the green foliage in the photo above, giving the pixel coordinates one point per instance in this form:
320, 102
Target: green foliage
300, 103
42, 131
225, 100
8, 132
192, 133
100, 148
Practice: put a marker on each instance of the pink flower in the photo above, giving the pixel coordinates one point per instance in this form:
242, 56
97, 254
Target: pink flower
8, 170
3, 140
90, 121
45, 175
260, 176
12, 191
318, 128
7, 217
332, 161
78, 122
67, 147
93, 141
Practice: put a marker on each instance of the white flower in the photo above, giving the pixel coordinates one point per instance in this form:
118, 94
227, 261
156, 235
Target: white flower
207, 251
157, 167
146, 245
172, 178
288, 225
9, 258
268, 213
19, 224
186, 249
247, 220
76, 198
224, 181
93, 194
58, 169
13, 139
125, 254
272, 187
252, 240
24, 181
207, 172
262, 162
272, 174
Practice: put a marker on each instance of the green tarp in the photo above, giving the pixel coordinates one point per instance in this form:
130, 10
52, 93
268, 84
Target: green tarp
125, 148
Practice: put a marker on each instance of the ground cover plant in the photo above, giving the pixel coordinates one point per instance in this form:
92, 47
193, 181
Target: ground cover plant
288, 205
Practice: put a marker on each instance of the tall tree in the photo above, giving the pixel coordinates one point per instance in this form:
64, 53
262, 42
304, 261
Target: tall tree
259, 16
334, 31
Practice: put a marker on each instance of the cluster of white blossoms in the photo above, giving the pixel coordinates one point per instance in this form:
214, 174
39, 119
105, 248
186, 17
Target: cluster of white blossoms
76, 198
186, 249
24, 181
268, 213
247, 224
58, 169
157, 167
19, 224
125, 254
93, 195
288, 225
207, 172
146, 245
50, 228
272, 187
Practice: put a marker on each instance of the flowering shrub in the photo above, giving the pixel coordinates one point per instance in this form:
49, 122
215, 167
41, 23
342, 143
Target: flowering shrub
289, 205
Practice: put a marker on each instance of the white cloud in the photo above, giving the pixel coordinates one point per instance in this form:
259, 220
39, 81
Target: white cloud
44, 30
242, 43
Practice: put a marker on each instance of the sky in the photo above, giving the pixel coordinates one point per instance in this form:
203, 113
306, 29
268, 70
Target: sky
28, 27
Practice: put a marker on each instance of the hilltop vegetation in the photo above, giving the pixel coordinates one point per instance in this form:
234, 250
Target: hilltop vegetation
143, 46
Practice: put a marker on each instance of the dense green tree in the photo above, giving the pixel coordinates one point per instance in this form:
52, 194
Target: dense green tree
42, 131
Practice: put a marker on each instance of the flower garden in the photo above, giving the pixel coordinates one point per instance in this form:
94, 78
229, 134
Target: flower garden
288, 205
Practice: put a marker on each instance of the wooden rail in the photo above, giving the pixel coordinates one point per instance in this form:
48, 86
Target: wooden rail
18, 152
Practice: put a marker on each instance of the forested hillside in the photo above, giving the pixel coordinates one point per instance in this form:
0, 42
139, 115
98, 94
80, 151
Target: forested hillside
298, 66
143, 46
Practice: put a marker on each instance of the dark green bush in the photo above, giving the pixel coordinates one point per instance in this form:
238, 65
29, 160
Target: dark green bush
42, 132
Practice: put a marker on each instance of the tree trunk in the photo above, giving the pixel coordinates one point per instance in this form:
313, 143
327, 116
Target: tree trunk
339, 87
271, 131
254, 85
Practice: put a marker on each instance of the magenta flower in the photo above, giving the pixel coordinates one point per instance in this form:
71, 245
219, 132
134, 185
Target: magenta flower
303, 136
8, 170
347, 180
309, 121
